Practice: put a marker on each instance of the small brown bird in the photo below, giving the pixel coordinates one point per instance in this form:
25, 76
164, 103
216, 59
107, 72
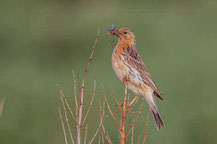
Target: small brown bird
131, 70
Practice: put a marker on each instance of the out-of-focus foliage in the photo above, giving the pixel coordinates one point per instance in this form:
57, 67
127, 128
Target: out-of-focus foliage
41, 41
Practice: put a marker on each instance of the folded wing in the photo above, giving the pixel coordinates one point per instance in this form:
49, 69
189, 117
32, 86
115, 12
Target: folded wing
135, 60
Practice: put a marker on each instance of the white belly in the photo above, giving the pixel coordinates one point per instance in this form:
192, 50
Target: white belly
120, 70
123, 71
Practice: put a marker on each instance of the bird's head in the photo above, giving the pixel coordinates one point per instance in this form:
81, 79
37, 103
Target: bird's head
122, 33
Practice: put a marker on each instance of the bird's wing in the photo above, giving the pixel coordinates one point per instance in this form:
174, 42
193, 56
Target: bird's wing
135, 60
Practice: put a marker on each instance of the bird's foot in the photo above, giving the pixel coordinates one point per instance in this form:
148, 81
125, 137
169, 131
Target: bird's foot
128, 108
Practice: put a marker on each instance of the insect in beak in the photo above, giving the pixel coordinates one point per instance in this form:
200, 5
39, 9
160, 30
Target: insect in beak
112, 31
112, 28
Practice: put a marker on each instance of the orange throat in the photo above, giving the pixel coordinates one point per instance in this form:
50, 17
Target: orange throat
122, 44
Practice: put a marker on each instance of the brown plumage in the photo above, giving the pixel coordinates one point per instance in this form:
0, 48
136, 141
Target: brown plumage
131, 70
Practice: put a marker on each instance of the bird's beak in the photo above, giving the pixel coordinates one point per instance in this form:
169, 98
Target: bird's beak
108, 34
115, 32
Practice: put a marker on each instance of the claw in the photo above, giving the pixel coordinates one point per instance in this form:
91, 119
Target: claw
128, 108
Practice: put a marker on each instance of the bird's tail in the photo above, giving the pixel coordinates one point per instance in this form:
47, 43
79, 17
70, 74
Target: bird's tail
157, 118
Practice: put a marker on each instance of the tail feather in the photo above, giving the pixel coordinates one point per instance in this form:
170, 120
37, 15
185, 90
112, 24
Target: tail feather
151, 102
158, 120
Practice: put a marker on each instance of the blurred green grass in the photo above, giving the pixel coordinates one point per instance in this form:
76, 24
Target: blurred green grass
42, 41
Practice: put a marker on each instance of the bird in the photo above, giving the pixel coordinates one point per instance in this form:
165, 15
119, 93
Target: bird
131, 70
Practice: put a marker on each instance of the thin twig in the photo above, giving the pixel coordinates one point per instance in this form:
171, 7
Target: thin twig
66, 102
128, 98
106, 135
82, 90
146, 127
132, 134
85, 137
99, 139
123, 118
109, 139
2, 102
134, 104
70, 110
110, 111
75, 95
136, 119
78, 83
103, 128
66, 115
102, 113
91, 102
116, 100
139, 139
63, 127
103, 141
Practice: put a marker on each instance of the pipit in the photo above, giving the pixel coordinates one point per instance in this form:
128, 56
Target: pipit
131, 70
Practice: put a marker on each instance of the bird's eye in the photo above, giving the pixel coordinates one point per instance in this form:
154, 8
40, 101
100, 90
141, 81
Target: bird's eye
125, 32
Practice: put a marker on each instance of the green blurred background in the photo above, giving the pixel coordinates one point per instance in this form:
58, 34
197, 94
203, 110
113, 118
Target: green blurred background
41, 41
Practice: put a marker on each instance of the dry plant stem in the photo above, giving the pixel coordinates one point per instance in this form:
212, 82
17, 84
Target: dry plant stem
106, 135
103, 139
102, 113
134, 104
75, 95
78, 84
109, 139
66, 102
99, 140
96, 132
82, 90
91, 102
66, 115
2, 102
103, 128
139, 139
110, 111
132, 134
85, 137
134, 99
135, 119
70, 110
116, 100
128, 99
63, 127
123, 117
146, 127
